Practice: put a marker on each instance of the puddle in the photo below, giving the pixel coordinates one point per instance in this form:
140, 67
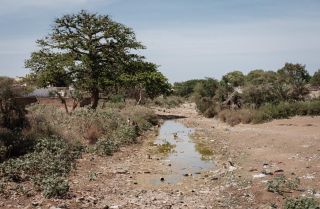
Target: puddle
185, 157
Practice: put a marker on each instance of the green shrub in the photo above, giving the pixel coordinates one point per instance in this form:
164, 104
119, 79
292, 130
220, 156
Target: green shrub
141, 116
126, 134
302, 203
117, 98
106, 147
13, 144
281, 184
49, 158
286, 110
204, 103
54, 186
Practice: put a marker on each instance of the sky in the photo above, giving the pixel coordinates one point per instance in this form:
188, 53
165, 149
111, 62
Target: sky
187, 38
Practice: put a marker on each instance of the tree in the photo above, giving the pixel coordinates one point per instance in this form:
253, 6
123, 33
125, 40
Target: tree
12, 114
294, 77
258, 77
142, 77
315, 80
234, 79
87, 51
186, 88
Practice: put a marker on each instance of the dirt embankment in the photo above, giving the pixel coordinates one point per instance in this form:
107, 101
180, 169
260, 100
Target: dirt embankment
245, 157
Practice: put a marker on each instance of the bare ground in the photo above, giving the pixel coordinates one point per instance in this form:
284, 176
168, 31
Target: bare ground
290, 147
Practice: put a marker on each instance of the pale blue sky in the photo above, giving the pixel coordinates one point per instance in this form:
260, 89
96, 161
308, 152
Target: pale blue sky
187, 38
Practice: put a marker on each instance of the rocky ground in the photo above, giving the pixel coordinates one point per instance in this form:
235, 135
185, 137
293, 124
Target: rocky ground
245, 156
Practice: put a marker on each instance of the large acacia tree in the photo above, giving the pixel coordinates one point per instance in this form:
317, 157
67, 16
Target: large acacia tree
87, 51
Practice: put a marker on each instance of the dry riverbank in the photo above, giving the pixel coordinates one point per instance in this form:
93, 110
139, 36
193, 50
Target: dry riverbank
244, 156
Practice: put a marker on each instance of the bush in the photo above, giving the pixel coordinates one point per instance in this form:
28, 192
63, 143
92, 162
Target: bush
302, 203
281, 184
234, 117
106, 147
168, 102
286, 110
140, 116
49, 162
54, 186
13, 144
204, 104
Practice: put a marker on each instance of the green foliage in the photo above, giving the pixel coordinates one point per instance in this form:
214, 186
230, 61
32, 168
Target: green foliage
47, 165
13, 144
185, 89
286, 110
296, 77
143, 78
206, 88
93, 53
54, 186
204, 92
165, 148
117, 98
315, 80
281, 184
301, 203
234, 79
258, 77
12, 114
106, 146
259, 95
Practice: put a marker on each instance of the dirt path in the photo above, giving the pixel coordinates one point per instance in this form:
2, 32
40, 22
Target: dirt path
291, 147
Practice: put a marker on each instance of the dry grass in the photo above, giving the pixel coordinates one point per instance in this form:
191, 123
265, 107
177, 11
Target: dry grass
235, 117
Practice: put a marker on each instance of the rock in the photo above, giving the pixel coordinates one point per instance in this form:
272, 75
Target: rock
161, 179
253, 170
260, 175
267, 172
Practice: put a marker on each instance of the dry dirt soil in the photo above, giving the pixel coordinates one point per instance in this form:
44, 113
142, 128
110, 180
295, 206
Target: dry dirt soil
245, 158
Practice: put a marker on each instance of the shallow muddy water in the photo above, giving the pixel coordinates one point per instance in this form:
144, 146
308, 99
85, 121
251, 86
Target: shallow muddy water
182, 155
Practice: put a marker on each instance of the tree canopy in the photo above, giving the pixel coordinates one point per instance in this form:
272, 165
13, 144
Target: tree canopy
88, 51
315, 80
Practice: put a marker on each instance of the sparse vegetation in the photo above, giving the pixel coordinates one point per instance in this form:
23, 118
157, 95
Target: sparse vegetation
168, 102
301, 203
281, 184
165, 148
47, 165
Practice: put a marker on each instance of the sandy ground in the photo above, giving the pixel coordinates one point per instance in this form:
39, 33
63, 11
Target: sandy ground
241, 154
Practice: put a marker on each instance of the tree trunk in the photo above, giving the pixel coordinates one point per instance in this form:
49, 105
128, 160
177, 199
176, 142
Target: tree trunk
140, 97
94, 98
63, 101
